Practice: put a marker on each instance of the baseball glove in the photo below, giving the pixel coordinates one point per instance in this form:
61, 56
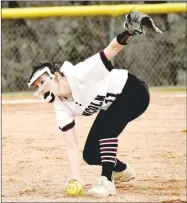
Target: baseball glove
136, 20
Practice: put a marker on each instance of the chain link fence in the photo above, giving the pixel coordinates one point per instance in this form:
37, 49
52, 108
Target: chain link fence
160, 60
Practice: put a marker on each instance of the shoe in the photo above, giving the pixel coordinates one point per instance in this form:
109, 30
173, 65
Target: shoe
104, 187
125, 175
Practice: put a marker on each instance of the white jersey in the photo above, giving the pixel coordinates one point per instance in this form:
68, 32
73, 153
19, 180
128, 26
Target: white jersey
93, 87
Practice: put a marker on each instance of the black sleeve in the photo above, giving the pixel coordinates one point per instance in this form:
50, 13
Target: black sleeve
105, 61
67, 127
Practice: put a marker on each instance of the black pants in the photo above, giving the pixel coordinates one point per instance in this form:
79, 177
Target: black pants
130, 104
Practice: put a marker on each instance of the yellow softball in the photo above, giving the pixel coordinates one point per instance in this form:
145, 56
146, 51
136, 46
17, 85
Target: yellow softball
74, 188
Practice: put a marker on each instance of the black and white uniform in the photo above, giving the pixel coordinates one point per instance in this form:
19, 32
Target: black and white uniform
96, 85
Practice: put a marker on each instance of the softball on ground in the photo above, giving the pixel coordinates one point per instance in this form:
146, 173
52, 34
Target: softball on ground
74, 188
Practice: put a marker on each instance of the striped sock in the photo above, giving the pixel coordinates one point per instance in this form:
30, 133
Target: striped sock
108, 152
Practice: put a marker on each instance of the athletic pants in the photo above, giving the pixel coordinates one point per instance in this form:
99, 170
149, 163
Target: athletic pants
130, 104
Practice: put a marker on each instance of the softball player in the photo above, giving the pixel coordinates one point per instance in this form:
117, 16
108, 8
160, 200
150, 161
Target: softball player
91, 86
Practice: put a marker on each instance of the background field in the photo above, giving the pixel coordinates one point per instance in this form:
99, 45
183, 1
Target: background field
160, 60
34, 164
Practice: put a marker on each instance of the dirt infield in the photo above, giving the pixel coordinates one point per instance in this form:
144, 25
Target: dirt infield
34, 163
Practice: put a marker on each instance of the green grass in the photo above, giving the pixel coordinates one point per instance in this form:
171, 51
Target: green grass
17, 94
168, 89
14, 95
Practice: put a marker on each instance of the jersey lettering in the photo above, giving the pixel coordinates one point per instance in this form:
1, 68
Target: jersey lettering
110, 98
97, 103
93, 107
100, 98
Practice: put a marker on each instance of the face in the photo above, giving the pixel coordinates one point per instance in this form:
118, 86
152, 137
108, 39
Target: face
39, 84
60, 86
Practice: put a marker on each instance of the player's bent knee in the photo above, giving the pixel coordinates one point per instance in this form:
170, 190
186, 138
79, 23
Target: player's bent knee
88, 158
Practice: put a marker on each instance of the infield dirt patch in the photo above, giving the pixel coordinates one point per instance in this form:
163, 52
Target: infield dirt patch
35, 167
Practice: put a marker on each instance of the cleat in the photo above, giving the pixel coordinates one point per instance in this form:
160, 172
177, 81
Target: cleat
125, 175
104, 188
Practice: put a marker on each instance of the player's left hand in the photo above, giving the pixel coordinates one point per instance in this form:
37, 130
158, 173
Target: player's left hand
136, 20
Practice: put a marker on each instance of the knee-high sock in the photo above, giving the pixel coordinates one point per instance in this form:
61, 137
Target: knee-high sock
108, 152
